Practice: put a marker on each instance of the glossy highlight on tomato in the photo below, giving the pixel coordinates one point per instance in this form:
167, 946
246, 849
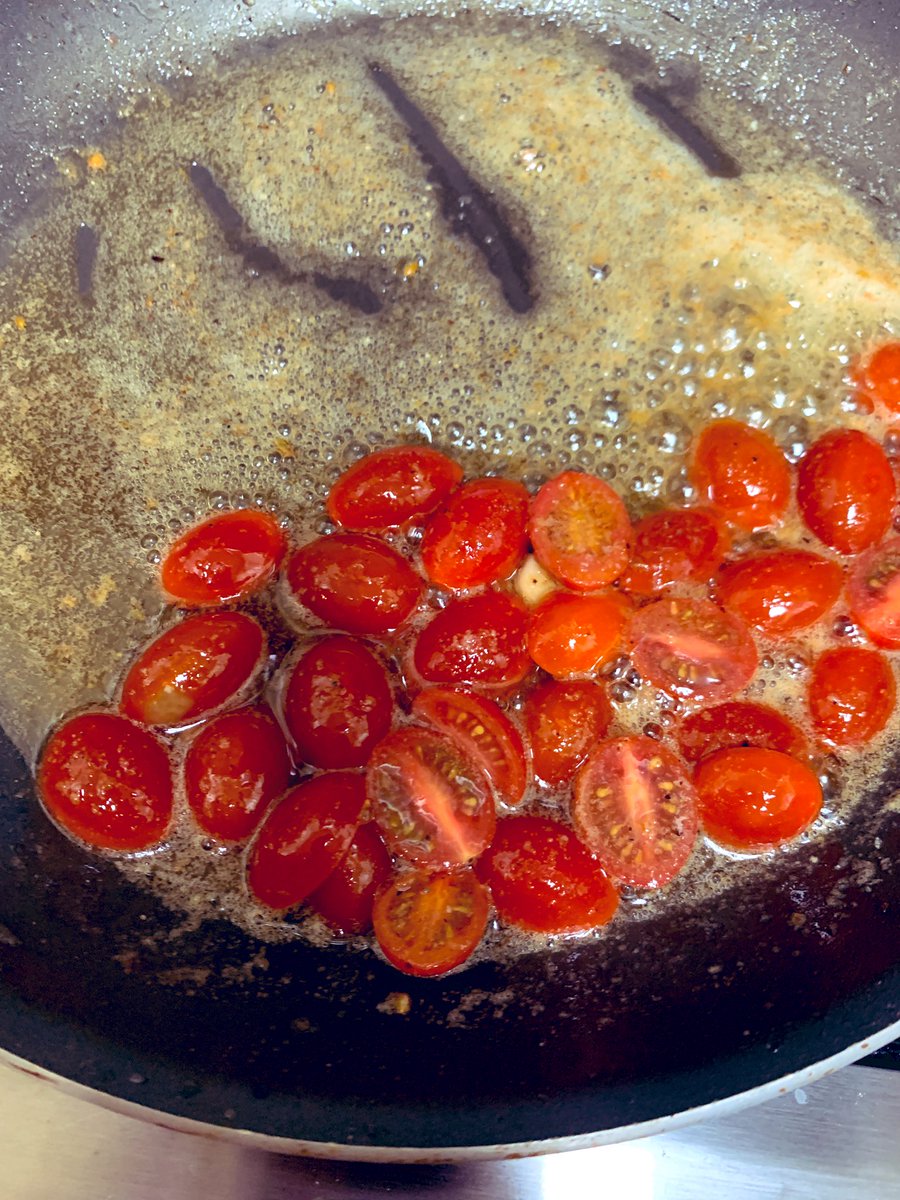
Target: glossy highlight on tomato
344, 901
852, 694
675, 546
741, 472
752, 799
780, 591
739, 723
874, 593
565, 721
478, 537
580, 530
394, 487
479, 640
225, 558
572, 635
427, 923
846, 490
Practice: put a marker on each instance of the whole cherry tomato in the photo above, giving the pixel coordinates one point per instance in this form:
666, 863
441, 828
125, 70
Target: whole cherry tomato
742, 473
388, 488
226, 557
478, 537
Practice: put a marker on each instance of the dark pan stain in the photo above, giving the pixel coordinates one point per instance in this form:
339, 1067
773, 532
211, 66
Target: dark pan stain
716, 160
87, 241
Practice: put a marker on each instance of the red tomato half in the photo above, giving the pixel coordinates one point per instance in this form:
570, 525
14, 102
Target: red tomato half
397, 486
483, 730
233, 770
675, 546
852, 694
780, 591
338, 703
580, 530
304, 838
107, 781
846, 490
427, 923
752, 799
739, 723
565, 721
874, 593
345, 899
224, 558
636, 809
575, 635
478, 536
543, 879
742, 472
354, 582
692, 649
477, 640
193, 668
879, 376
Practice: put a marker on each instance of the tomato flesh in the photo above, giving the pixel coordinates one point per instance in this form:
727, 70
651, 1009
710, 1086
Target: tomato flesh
393, 487
846, 490
753, 799
742, 473
427, 923
780, 591
477, 640
565, 721
739, 723
879, 376
674, 546
344, 901
580, 530
575, 635
225, 558
852, 694
874, 593
479, 536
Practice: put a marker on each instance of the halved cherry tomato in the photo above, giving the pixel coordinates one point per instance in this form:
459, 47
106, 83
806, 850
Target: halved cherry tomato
742, 472
483, 730
107, 781
692, 649
846, 490
354, 582
543, 879
739, 723
752, 799
304, 838
233, 770
345, 899
580, 530
427, 923
780, 591
193, 668
478, 536
392, 487
636, 809
879, 376
574, 635
852, 694
224, 558
338, 703
478, 640
675, 546
874, 593
565, 721
432, 801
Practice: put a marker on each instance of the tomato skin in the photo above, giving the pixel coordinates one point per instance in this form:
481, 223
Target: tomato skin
846, 490
780, 591
427, 923
224, 558
575, 635
565, 721
233, 770
392, 487
483, 731
739, 723
107, 781
879, 376
754, 799
636, 810
354, 583
193, 668
304, 838
742, 473
478, 537
338, 703
874, 593
344, 901
478, 640
543, 879
852, 694
580, 530
675, 546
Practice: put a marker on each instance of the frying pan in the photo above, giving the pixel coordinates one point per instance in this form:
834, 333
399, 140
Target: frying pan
294, 1045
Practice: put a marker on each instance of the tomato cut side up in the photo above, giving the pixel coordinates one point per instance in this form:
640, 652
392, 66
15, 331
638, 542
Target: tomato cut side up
476, 640
874, 593
304, 838
635, 808
575, 635
233, 770
225, 558
739, 723
565, 721
427, 923
338, 703
852, 694
543, 879
846, 490
344, 901
479, 536
879, 376
432, 802
675, 546
483, 731
355, 583
107, 781
780, 591
580, 530
393, 487
194, 668
742, 473
753, 799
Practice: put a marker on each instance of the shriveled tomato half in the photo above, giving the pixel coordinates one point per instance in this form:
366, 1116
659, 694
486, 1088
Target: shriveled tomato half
742, 473
575, 635
565, 721
478, 536
846, 490
194, 668
739, 723
304, 838
852, 694
675, 546
878, 376
874, 593
636, 809
432, 801
345, 899
224, 558
780, 591
107, 781
233, 770
752, 799
483, 730
427, 923
543, 879
580, 530
693, 649
477, 640
393, 487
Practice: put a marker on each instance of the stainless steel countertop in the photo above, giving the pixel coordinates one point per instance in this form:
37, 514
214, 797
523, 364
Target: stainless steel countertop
839, 1139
